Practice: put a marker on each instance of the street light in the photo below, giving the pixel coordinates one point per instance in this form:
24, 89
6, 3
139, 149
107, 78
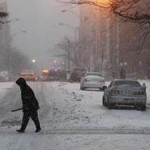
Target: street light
33, 60
34, 65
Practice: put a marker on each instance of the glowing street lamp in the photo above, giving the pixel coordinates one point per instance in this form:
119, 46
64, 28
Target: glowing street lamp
33, 60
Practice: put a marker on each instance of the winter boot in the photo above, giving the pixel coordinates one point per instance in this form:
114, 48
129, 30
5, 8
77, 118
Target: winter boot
20, 131
38, 130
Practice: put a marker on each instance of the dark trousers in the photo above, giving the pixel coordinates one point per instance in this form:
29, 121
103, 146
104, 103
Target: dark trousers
26, 117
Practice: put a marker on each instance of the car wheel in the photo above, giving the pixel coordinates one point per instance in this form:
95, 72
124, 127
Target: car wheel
100, 89
82, 88
140, 107
104, 87
109, 106
143, 107
104, 102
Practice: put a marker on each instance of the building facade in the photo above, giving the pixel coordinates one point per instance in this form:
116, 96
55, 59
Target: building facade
4, 37
98, 36
110, 44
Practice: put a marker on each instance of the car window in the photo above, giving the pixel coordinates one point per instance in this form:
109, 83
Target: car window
110, 85
87, 74
127, 83
93, 76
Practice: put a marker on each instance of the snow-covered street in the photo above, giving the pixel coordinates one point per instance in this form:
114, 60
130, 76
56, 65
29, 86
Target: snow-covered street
71, 119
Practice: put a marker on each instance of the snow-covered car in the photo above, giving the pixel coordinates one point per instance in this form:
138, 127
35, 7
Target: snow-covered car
125, 92
92, 80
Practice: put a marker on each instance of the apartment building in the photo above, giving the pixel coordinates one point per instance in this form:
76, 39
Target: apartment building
4, 36
98, 35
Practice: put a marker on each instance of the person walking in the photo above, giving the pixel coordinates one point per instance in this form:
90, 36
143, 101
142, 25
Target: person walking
30, 106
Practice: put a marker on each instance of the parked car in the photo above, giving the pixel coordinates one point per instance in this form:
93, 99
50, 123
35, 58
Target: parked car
125, 92
92, 80
77, 74
28, 75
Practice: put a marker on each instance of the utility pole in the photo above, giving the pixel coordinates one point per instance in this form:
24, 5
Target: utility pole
1, 46
117, 43
107, 46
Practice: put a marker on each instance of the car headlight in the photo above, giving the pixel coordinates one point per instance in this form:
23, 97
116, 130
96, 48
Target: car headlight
115, 92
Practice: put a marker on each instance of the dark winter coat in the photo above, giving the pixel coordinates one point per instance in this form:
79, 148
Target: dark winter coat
29, 100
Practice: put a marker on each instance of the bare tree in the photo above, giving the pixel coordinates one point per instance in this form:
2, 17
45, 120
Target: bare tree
68, 50
136, 14
132, 10
136, 11
76, 52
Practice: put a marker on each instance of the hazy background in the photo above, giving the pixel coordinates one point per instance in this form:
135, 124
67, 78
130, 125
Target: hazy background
37, 28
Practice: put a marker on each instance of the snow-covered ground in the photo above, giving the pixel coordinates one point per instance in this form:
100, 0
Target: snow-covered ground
72, 119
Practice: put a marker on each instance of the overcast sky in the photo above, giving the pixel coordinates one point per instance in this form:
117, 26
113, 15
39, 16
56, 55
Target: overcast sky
40, 20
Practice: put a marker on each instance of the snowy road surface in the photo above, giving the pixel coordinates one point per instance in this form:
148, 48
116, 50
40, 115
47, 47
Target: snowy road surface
72, 119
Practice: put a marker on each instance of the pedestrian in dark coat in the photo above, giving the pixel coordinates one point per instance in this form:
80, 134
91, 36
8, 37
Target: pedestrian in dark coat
30, 106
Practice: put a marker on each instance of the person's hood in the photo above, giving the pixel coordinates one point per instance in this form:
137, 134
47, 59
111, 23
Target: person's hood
21, 82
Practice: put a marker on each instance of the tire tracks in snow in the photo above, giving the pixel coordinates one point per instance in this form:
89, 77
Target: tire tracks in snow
143, 131
40, 89
84, 131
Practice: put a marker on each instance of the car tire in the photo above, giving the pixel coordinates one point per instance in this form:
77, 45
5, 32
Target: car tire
140, 107
82, 88
109, 106
104, 102
143, 107
100, 89
104, 87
